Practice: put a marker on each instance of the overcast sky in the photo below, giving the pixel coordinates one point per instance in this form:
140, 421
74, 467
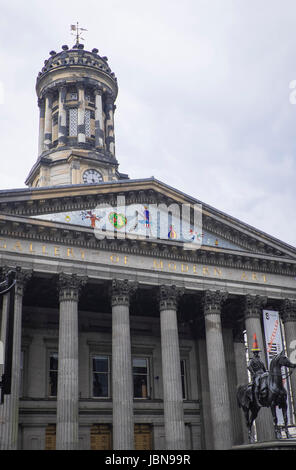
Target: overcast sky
204, 101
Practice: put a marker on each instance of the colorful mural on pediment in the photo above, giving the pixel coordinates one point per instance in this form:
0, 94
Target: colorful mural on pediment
141, 221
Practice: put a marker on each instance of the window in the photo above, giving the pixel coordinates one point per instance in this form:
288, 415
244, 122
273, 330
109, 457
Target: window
141, 377
53, 374
73, 121
101, 376
183, 378
87, 122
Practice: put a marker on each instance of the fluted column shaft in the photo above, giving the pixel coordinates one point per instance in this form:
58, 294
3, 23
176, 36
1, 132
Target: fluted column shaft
122, 382
288, 313
253, 313
81, 115
99, 126
62, 132
171, 371
41, 104
9, 414
219, 395
48, 121
67, 394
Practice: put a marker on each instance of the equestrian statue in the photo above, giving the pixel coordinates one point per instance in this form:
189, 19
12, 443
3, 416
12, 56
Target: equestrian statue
265, 390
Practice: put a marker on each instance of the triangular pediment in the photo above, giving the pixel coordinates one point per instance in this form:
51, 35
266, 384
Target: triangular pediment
77, 206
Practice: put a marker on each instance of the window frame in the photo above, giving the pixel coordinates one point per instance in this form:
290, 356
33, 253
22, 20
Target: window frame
109, 375
148, 375
48, 386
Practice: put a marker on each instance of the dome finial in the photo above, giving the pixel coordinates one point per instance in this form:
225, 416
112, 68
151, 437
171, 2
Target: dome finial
76, 31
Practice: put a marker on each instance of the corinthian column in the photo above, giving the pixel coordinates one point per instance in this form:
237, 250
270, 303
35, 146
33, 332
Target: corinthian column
122, 383
9, 411
171, 371
219, 395
67, 395
288, 313
253, 313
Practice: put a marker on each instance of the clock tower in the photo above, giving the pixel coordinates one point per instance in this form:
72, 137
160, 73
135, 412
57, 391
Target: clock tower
76, 92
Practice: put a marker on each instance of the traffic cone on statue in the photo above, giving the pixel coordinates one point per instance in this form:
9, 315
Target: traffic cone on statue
255, 344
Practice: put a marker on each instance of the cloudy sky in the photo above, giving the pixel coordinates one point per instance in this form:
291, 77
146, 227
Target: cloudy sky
204, 103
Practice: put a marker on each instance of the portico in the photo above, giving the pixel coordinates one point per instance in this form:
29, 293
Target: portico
121, 306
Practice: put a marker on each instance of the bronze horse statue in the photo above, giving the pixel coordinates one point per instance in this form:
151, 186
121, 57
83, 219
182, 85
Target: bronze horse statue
272, 394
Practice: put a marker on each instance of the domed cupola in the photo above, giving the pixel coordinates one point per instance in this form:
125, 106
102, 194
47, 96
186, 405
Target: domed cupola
76, 92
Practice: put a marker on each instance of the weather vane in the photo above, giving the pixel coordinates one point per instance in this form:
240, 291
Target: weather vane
77, 31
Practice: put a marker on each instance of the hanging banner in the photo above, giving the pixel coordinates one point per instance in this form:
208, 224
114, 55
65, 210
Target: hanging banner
274, 345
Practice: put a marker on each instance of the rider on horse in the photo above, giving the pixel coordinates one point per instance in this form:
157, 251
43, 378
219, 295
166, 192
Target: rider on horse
257, 369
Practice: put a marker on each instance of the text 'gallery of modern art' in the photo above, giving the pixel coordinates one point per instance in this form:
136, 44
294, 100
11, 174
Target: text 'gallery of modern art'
129, 319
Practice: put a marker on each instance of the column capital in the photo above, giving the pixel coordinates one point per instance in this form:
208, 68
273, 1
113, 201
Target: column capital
22, 277
69, 286
288, 310
253, 305
169, 297
212, 301
121, 291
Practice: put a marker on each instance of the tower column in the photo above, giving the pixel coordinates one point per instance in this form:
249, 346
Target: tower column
218, 383
171, 370
48, 121
122, 381
81, 114
253, 313
67, 394
99, 125
9, 410
62, 131
110, 140
288, 313
41, 104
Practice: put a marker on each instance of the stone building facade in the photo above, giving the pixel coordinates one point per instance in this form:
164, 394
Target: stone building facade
124, 342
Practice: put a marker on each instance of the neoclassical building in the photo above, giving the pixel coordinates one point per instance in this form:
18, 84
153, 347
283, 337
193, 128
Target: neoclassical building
130, 341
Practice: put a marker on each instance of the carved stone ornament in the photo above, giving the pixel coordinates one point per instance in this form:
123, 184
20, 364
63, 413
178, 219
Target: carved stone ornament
121, 291
21, 276
253, 305
169, 297
213, 300
69, 286
288, 310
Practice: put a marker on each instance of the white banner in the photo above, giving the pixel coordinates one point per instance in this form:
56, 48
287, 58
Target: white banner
274, 345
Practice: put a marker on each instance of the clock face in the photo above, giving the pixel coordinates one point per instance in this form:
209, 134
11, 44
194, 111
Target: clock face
92, 176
